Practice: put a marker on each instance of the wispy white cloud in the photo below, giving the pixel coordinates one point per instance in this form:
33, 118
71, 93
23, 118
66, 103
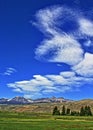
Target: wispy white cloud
17, 90
85, 67
47, 19
50, 84
63, 49
64, 46
63, 28
60, 46
9, 71
86, 26
67, 74
88, 43
59, 65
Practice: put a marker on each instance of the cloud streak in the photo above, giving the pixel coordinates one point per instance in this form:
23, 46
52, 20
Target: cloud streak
9, 71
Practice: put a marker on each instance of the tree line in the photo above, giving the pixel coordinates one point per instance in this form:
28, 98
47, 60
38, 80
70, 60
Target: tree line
84, 111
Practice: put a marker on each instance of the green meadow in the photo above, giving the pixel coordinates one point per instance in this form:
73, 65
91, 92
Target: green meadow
32, 121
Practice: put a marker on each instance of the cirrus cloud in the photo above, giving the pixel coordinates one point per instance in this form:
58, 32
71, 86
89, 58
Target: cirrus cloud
86, 26
64, 49
60, 46
9, 71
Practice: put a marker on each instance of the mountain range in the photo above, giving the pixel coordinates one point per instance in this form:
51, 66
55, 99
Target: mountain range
42, 105
22, 100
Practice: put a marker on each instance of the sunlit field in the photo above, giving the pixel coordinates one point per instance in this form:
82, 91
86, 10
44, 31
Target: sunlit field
32, 121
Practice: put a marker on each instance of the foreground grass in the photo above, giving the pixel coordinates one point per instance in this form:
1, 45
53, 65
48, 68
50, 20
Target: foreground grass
27, 121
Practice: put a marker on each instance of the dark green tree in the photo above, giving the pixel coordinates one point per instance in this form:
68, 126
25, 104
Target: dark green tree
88, 111
63, 110
56, 111
74, 113
85, 111
68, 111
82, 111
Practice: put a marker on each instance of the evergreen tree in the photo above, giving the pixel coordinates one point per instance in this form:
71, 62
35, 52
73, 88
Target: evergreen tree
82, 111
56, 111
68, 111
88, 111
63, 110
75, 113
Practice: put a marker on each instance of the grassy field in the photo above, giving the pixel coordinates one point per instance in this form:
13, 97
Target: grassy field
28, 121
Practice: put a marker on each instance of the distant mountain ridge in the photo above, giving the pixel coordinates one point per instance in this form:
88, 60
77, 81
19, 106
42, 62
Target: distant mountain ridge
42, 105
22, 100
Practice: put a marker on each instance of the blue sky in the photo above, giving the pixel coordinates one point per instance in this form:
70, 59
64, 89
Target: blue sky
46, 48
